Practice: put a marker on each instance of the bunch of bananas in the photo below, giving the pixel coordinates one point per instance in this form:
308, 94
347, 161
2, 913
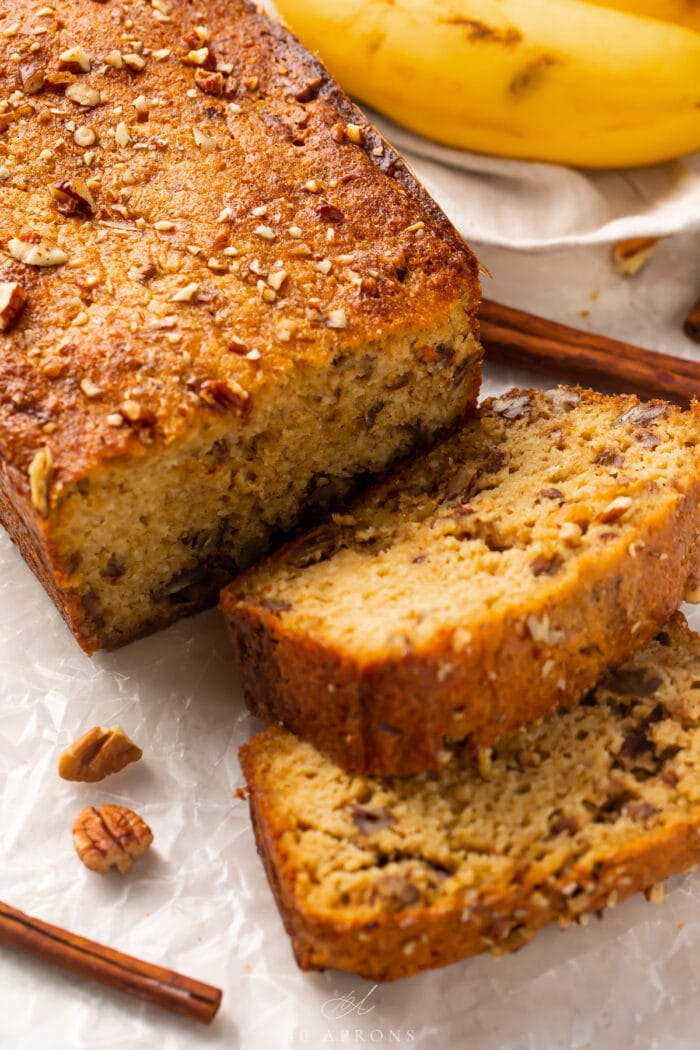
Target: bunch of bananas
596, 83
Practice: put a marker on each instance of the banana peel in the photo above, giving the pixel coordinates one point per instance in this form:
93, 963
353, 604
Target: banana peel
682, 12
564, 81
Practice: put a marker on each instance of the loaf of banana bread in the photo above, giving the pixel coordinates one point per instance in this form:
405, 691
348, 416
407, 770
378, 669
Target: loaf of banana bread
479, 586
223, 298
385, 877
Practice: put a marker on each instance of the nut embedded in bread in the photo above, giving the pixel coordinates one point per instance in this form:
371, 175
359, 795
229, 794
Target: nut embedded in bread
480, 585
386, 877
220, 302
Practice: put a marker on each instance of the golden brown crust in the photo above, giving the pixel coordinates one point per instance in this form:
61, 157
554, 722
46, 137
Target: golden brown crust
394, 717
191, 214
376, 948
391, 713
388, 876
107, 316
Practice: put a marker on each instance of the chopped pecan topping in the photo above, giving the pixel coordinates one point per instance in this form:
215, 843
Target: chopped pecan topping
31, 79
134, 62
40, 475
60, 81
328, 213
83, 95
74, 60
32, 249
97, 754
73, 195
12, 300
201, 56
225, 396
110, 836
136, 414
210, 82
195, 38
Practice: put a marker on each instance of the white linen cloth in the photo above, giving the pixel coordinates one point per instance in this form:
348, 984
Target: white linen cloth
528, 206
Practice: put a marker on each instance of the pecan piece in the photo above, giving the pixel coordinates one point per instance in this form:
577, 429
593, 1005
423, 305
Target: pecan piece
210, 82
225, 396
110, 836
74, 60
12, 300
328, 213
31, 79
40, 476
60, 81
32, 249
97, 754
73, 195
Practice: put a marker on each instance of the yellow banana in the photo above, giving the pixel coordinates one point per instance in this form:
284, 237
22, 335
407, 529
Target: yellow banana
682, 12
561, 80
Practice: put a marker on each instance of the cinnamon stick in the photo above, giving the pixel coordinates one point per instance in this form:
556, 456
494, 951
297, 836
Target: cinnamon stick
691, 325
155, 984
515, 337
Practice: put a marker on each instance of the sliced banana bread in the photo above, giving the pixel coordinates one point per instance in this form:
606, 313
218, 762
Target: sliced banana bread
385, 877
222, 298
479, 586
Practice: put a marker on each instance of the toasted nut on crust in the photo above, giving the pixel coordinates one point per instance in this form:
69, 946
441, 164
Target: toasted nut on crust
40, 475
73, 195
97, 754
110, 836
12, 300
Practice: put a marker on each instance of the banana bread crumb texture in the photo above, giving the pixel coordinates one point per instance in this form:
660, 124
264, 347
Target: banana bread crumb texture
386, 877
222, 298
480, 585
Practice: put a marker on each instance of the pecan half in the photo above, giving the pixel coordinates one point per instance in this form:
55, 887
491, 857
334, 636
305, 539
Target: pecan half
97, 754
110, 836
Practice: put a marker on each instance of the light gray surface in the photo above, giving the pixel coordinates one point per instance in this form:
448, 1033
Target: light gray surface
199, 901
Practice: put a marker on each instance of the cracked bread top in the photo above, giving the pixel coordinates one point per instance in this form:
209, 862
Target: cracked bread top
190, 209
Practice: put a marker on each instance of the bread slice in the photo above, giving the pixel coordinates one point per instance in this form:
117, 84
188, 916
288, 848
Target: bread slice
385, 877
222, 298
479, 586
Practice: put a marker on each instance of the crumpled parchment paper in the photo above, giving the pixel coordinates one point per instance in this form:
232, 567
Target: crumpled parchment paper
199, 901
